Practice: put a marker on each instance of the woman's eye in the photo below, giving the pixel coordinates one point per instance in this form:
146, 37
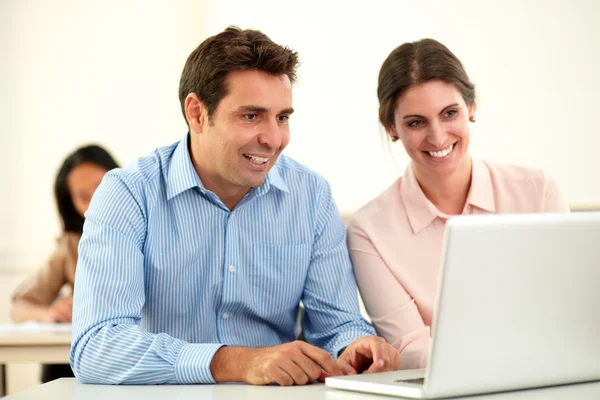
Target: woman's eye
414, 123
450, 113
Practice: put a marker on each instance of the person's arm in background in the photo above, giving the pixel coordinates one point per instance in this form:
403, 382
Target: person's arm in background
332, 317
392, 310
108, 345
554, 201
35, 299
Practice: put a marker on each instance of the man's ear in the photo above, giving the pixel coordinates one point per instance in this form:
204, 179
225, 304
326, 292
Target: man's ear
195, 113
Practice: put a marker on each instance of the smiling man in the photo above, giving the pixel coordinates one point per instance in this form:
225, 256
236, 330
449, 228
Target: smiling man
193, 260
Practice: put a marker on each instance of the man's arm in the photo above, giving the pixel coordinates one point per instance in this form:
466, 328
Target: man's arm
332, 317
108, 344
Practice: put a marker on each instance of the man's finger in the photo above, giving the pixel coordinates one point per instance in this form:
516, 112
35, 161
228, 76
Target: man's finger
282, 378
310, 367
295, 371
345, 365
322, 358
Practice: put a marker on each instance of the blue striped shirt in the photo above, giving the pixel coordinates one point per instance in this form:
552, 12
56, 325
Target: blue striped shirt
167, 274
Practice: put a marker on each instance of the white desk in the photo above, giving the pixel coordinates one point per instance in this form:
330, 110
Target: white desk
71, 389
32, 343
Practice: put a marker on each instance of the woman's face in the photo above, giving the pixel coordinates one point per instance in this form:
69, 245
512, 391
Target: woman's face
432, 121
83, 180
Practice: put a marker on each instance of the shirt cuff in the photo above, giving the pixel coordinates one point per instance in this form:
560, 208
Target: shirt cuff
193, 363
337, 350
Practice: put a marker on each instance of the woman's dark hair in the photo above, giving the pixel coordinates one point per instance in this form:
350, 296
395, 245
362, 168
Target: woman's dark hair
71, 219
416, 63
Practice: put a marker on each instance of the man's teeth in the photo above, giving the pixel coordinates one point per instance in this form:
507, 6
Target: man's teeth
442, 153
256, 160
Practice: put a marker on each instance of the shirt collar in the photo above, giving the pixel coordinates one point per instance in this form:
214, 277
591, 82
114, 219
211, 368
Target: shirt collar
183, 176
421, 211
273, 179
481, 193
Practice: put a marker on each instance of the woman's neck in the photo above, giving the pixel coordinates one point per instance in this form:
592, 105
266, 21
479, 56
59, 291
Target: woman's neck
448, 192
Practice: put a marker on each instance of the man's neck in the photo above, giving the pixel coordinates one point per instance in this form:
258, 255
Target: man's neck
230, 195
448, 193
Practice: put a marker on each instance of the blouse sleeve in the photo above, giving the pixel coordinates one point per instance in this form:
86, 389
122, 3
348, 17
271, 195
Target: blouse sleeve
393, 311
554, 200
44, 285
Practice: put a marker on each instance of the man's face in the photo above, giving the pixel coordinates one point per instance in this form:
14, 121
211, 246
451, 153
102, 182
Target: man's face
241, 141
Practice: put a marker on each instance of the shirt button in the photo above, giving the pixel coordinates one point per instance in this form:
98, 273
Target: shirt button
231, 268
225, 315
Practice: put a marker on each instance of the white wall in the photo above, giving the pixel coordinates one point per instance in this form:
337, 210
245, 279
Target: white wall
107, 71
74, 72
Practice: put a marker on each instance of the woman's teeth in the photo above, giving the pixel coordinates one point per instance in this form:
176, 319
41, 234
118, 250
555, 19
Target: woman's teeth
442, 153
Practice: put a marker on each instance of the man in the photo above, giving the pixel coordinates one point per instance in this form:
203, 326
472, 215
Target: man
194, 260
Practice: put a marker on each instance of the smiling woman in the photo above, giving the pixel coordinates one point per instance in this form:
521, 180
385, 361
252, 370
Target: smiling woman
427, 102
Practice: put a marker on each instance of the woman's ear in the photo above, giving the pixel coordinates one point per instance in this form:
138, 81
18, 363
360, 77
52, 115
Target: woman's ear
391, 131
472, 111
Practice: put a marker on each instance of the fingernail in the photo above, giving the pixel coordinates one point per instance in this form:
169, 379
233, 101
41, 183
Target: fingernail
380, 362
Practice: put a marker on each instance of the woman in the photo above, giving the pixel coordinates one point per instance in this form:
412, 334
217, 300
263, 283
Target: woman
47, 295
426, 101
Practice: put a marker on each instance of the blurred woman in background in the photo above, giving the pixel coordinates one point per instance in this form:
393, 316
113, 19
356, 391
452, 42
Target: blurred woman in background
47, 295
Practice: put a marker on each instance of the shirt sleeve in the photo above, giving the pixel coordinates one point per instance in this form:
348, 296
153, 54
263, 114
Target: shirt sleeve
44, 285
554, 200
393, 311
108, 344
332, 318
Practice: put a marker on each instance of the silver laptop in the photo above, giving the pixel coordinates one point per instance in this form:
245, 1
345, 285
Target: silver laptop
518, 306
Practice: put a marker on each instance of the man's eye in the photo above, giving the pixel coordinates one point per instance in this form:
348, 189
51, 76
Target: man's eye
283, 118
250, 117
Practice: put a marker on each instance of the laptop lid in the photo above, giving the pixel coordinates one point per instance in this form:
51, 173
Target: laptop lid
518, 304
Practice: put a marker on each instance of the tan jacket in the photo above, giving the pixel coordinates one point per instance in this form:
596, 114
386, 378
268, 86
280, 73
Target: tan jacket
44, 286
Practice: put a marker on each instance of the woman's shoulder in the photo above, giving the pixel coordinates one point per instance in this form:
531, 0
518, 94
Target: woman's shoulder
378, 208
68, 242
507, 172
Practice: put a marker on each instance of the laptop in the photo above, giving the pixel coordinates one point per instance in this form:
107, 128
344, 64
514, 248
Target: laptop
517, 306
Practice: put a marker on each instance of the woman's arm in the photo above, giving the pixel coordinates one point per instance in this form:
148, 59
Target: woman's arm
392, 309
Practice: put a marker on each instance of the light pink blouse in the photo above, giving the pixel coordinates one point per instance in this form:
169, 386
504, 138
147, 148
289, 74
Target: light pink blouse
395, 243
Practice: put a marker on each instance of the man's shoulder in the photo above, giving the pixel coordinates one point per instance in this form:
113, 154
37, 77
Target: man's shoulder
145, 172
294, 172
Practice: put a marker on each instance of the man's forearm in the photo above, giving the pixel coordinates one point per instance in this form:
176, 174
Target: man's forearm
230, 364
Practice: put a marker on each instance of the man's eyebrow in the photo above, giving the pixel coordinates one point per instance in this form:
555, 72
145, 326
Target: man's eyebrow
251, 108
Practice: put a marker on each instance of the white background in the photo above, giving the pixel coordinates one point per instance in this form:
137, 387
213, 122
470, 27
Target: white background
75, 72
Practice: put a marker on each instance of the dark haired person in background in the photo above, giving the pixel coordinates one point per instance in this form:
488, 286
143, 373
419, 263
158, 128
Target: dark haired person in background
39, 297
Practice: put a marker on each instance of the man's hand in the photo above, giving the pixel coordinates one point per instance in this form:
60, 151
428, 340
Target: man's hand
288, 364
369, 354
61, 310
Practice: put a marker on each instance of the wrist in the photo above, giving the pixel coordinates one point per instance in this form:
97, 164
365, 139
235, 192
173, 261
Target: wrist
230, 364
